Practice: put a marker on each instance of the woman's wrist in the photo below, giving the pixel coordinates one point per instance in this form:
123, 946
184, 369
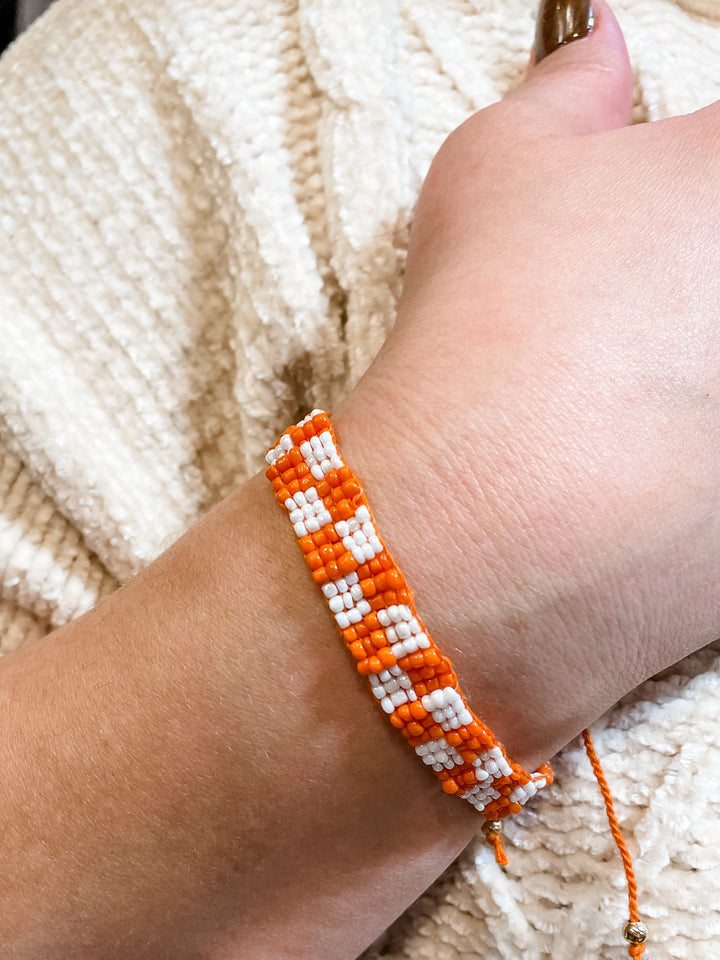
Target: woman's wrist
533, 599
425, 500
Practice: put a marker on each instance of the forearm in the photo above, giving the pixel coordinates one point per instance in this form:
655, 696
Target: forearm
193, 769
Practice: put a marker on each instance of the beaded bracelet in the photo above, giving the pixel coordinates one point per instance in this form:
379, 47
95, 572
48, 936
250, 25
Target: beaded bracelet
414, 684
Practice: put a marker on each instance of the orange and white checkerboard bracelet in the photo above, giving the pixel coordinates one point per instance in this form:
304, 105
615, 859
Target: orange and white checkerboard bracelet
373, 607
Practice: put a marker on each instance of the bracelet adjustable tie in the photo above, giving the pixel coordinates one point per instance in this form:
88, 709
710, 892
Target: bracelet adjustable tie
412, 681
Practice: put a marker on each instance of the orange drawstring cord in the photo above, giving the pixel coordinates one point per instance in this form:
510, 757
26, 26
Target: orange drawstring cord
635, 930
634, 927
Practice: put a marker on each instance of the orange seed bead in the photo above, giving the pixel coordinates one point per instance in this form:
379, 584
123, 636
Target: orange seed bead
347, 563
306, 544
326, 553
387, 657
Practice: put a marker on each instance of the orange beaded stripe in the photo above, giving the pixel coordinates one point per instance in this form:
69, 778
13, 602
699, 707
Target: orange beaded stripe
374, 609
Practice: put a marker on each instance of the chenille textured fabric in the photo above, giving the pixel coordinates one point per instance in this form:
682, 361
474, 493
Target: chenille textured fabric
204, 211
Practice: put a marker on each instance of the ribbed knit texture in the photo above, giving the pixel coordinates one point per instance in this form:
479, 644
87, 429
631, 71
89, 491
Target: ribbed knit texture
204, 211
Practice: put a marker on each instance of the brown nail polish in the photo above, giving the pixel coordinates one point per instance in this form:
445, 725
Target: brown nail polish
560, 21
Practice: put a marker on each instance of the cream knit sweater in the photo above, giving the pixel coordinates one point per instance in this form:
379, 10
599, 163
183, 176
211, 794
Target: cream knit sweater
204, 210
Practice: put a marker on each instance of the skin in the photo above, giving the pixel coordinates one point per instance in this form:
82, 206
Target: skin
193, 769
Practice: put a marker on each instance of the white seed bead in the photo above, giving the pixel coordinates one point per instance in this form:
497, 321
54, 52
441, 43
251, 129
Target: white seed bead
342, 584
312, 524
347, 598
367, 551
317, 471
300, 529
290, 503
329, 589
376, 545
354, 615
383, 617
300, 498
362, 513
336, 603
341, 528
387, 705
311, 495
356, 591
286, 442
296, 516
342, 620
353, 524
403, 630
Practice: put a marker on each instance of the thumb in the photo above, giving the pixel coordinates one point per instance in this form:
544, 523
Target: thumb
579, 77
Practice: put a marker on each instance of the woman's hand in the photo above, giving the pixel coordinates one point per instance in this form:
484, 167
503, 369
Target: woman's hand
549, 397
